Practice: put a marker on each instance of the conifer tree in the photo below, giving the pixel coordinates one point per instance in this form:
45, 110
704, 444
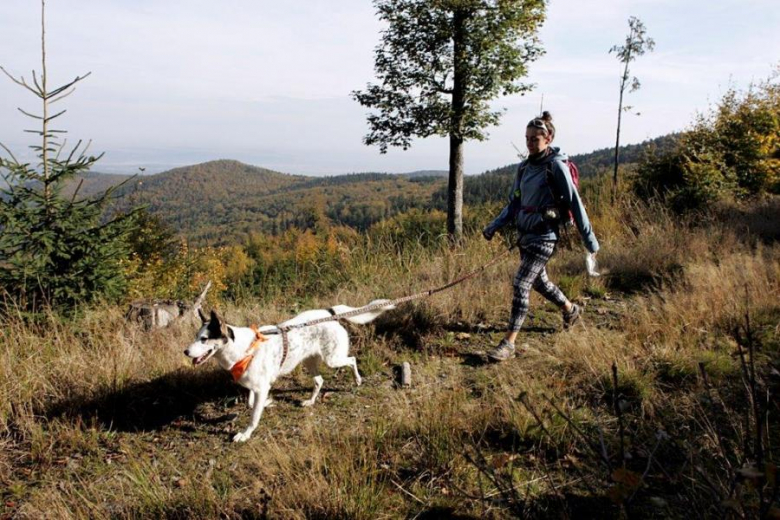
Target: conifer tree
54, 250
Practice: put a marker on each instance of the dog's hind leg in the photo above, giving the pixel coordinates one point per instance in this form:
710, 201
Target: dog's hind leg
312, 366
346, 361
261, 395
338, 355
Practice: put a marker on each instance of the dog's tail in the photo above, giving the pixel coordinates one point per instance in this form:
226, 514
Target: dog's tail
366, 317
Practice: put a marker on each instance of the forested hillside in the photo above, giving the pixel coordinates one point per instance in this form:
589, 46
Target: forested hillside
660, 402
493, 185
92, 183
223, 202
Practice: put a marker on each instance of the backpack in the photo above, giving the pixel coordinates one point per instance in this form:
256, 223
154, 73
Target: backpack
575, 179
562, 207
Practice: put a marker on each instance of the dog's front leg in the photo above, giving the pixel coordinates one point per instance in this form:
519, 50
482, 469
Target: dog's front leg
269, 402
260, 397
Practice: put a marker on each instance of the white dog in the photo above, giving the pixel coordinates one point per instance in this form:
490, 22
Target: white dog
257, 361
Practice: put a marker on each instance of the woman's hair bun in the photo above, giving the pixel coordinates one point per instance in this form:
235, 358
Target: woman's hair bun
544, 123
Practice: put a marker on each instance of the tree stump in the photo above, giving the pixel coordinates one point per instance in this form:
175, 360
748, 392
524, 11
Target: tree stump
405, 376
156, 314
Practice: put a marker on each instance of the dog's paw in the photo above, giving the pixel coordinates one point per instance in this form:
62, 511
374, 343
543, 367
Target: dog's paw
241, 437
307, 402
358, 381
270, 403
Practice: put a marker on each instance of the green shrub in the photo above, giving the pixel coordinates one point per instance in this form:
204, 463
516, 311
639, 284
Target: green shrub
732, 152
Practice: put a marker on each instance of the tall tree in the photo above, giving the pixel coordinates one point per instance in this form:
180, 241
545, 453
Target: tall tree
637, 43
440, 63
55, 250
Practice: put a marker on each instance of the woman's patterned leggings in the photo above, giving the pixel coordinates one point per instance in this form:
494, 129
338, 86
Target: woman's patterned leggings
532, 274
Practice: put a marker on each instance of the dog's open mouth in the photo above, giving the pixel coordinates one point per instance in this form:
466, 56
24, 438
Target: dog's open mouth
205, 357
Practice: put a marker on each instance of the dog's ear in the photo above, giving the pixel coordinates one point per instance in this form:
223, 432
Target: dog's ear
215, 326
202, 316
218, 328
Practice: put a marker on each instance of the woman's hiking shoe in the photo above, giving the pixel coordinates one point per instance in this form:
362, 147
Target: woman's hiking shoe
571, 317
502, 352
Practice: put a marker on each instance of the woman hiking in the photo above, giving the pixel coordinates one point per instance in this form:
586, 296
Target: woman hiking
541, 179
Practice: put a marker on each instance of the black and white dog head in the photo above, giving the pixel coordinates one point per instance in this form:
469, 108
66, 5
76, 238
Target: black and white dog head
214, 335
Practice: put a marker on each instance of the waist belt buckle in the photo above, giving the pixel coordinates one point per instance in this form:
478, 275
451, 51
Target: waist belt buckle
551, 214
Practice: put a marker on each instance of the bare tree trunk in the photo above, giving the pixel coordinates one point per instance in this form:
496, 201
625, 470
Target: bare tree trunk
623, 82
455, 186
455, 190
617, 143
45, 119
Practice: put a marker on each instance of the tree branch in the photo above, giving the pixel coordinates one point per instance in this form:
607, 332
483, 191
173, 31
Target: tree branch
21, 82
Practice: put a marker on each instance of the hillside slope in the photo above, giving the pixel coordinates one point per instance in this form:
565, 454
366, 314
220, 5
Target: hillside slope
645, 409
493, 185
222, 202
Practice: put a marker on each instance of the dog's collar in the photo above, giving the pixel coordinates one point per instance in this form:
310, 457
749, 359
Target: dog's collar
241, 365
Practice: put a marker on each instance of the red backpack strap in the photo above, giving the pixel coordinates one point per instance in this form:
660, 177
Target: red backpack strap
575, 173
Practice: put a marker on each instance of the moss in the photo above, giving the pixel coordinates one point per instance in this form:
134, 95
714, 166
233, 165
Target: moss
634, 387
718, 364
594, 289
767, 330
571, 285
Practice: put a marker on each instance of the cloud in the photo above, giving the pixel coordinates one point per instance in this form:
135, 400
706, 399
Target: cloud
269, 82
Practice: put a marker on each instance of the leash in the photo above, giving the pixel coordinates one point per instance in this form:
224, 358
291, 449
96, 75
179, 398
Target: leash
284, 329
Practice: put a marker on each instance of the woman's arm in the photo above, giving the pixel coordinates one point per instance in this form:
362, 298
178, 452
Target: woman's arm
571, 198
505, 217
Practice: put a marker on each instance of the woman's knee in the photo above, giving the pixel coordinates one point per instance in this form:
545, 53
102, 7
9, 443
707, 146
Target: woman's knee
521, 292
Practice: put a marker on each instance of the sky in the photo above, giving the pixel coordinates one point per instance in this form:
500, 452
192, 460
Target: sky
179, 82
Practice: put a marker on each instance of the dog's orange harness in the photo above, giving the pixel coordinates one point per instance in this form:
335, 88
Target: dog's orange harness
240, 367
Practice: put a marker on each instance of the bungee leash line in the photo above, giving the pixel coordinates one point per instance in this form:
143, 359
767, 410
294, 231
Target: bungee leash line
283, 330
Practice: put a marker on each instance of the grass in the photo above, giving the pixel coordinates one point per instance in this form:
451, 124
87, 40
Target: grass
101, 420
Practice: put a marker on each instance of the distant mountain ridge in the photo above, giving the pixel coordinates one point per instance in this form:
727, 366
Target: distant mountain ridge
493, 185
427, 173
223, 201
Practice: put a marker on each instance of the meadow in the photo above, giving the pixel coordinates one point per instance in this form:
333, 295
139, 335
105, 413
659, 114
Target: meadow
660, 404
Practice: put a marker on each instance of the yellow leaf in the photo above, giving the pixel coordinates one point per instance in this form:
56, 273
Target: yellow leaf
627, 477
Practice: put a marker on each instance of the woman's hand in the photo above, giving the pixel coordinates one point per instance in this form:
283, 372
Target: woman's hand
488, 233
590, 264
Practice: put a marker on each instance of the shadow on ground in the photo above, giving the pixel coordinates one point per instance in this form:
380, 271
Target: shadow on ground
474, 360
201, 396
150, 405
